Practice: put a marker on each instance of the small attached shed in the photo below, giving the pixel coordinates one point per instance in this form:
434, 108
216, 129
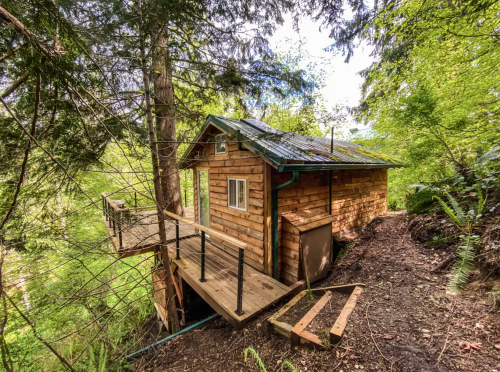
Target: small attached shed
309, 234
280, 192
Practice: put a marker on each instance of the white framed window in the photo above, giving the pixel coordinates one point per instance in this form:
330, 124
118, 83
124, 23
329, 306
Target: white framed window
237, 193
220, 144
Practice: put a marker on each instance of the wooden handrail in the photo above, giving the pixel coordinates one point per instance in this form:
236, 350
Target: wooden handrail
228, 239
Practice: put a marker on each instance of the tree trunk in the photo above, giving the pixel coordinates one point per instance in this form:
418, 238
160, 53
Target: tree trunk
165, 126
173, 319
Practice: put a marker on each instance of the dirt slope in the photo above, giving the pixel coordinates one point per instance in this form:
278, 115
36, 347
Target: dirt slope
404, 321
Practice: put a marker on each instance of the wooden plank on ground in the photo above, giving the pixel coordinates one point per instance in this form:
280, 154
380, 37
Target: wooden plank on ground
341, 323
304, 322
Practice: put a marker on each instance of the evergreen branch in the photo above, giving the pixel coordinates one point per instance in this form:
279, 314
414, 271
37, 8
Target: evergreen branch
26, 153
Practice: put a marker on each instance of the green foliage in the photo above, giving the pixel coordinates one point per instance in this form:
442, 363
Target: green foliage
421, 200
437, 241
466, 250
310, 293
464, 263
254, 354
394, 204
287, 364
431, 96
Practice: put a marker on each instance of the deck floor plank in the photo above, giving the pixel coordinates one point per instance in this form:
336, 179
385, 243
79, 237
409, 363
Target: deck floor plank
220, 288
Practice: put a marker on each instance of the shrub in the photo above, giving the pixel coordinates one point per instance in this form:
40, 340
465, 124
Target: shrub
422, 199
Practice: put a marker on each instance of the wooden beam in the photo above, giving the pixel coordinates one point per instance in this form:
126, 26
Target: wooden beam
287, 307
237, 243
311, 314
341, 323
345, 288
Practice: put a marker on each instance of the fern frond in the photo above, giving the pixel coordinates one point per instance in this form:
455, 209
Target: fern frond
459, 211
490, 156
481, 200
255, 354
463, 265
448, 211
289, 365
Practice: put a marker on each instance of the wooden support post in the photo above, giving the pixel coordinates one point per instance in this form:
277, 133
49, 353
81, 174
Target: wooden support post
120, 229
177, 250
113, 216
202, 279
239, 301
109, 214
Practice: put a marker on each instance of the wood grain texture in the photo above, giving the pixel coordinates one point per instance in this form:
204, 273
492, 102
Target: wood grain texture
341, 322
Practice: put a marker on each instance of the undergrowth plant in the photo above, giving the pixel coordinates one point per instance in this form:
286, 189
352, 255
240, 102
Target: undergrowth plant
466, 249
287, 364
310, 293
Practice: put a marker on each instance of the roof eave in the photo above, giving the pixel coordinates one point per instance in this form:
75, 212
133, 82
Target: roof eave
315, 167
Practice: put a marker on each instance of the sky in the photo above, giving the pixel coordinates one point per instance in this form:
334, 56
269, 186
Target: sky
343, 84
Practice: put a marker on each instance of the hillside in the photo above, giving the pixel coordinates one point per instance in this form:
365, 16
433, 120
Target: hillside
404, 321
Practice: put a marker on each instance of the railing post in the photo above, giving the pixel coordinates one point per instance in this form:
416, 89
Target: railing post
109, 214
113, 214
120, 229
239, 303
202, 279
185, 198
135, 196
103, 206
177, 250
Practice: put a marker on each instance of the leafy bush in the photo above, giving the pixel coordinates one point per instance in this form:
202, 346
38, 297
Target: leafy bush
422, 199
395, 203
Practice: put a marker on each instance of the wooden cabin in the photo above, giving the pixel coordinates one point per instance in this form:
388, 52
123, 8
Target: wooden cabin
288, 196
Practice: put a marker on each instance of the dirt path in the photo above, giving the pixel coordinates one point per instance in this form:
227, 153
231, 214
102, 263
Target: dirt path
404, 321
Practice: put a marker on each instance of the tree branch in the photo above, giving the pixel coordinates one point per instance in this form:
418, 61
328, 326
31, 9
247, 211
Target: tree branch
59, 356
26, 152
16, 84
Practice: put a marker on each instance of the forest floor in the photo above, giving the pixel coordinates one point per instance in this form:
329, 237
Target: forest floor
404, 320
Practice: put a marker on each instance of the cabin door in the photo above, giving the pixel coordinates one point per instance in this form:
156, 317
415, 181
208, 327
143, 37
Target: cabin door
203, 198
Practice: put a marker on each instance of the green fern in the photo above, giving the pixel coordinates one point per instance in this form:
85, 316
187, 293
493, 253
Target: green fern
459, 212
449, 212
464, 264
288, 364
255, 354
481, 200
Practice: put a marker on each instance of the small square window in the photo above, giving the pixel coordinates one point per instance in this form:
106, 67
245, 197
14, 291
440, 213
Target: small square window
237, 194
220, 144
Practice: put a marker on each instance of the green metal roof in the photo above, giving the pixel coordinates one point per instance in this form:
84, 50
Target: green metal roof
289, 151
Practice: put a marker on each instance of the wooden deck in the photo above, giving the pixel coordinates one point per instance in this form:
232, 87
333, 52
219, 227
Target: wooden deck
220, 288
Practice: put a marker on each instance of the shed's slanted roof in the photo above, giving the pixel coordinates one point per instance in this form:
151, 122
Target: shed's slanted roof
309, 219
286, 149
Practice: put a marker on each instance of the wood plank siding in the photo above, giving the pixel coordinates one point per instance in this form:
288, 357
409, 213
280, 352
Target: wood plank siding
358, 196
248, 225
